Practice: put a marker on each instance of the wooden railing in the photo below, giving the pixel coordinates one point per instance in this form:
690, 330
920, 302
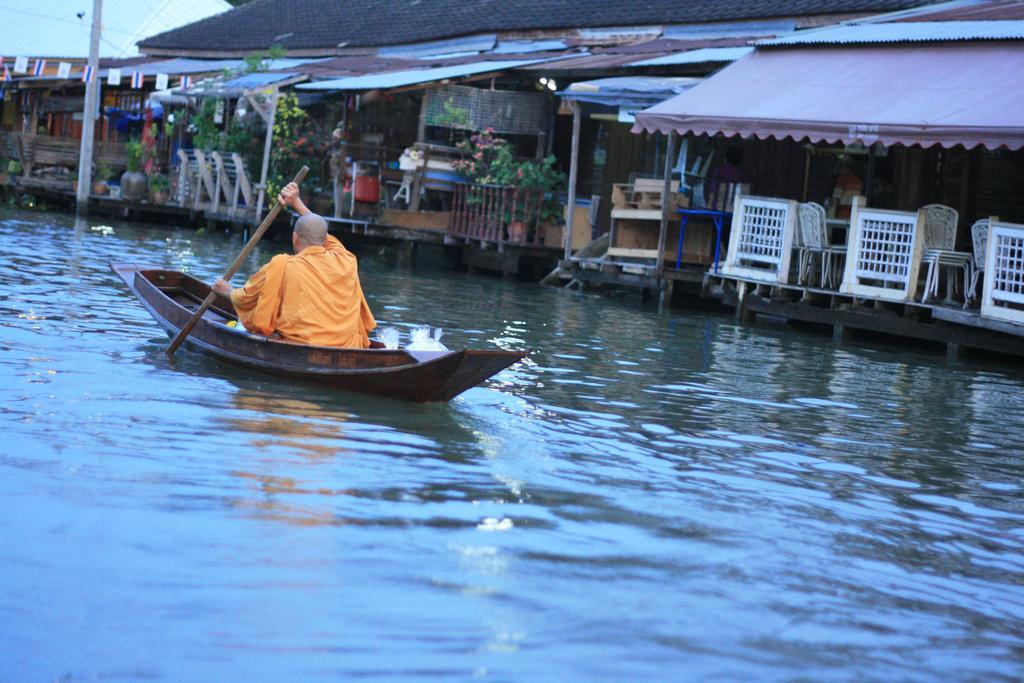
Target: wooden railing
45, 150
496, 213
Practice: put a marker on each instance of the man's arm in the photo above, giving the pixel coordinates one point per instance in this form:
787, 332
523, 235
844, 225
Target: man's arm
289, 196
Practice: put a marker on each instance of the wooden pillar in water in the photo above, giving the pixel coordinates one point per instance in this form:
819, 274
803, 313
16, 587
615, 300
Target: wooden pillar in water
573, 172
666, 203
267, 142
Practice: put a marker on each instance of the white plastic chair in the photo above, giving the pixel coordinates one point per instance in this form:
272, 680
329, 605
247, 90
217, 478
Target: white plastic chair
814, 240
979, 238
939, 247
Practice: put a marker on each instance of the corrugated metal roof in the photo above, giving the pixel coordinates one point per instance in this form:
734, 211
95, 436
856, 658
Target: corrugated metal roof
904, 32
479, 43
701, 56
728, 29
257, 80
518, 47
398, 79
239, 86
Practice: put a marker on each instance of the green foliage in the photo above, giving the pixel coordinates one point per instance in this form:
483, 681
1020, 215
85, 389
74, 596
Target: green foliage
158, 182
14, 167
453, 116
490, 161
261, 60
133, 154
289, 151
103, 172
207, 135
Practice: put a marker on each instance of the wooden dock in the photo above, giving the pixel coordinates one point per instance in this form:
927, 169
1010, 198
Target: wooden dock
942, 325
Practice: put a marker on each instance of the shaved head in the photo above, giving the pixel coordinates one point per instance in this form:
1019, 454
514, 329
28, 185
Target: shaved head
310, 231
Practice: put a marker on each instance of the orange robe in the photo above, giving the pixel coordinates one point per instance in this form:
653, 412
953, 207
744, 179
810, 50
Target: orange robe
313, 297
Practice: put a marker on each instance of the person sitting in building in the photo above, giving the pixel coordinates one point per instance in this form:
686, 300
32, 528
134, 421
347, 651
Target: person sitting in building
724, 176
311, 297
848, 186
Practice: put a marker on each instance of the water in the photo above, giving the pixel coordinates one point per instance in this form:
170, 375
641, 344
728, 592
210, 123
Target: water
649, 497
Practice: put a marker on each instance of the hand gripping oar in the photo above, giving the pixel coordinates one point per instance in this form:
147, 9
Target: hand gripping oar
246, 250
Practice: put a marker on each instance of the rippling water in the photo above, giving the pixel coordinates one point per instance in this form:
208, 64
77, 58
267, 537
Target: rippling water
648, 497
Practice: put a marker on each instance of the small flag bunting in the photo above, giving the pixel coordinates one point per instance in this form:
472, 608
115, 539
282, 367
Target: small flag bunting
161, 81
87, 74
64, 69
136, 79
186, 82
20, 65
7, 73
113, 77
40, 67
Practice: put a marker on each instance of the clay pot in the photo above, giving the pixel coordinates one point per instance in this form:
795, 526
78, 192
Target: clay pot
160, 197
100, 187
134, 185
517, 231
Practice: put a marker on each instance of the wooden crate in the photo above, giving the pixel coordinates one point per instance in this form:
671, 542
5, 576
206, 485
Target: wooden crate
639, 239
642, 193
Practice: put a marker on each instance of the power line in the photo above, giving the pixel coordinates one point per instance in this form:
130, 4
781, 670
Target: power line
61, 19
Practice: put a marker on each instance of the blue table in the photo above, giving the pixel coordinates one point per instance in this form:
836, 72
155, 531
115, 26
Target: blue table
716, 218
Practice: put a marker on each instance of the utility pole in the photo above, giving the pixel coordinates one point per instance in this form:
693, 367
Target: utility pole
89, 114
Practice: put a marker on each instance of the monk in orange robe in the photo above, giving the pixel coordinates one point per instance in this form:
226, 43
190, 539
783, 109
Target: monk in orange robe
312, 297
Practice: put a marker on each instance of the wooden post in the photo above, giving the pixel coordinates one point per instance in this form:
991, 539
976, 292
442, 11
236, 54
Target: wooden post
666, 193
421, 128
419, 175
807, 174
574, 163
267, 142
88, 115
870, 181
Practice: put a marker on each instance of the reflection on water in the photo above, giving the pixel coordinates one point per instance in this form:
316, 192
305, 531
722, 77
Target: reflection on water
648, 496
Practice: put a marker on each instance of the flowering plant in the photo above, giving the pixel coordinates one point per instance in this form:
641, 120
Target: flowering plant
490, 161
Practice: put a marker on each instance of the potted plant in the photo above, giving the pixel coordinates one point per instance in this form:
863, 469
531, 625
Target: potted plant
159, 188
14, 167
134, 185
100, 178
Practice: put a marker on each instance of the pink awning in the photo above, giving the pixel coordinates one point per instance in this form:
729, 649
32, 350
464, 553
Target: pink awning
951, 94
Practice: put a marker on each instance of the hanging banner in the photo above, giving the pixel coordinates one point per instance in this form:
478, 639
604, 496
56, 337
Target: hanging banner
7, 73
64, 70
40, 67
136, 79
87, 74
20, 65
113, 77
161, 81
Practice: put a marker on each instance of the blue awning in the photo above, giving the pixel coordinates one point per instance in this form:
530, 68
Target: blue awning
634, 92
398, 79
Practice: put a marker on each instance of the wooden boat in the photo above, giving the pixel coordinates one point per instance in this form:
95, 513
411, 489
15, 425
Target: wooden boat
172, 297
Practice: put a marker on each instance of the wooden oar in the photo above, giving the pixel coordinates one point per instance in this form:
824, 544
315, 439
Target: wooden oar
246, 250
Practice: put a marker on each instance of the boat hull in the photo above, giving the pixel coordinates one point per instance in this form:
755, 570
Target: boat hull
172, 298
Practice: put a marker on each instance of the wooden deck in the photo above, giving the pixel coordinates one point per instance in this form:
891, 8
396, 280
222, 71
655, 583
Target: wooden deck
939, 324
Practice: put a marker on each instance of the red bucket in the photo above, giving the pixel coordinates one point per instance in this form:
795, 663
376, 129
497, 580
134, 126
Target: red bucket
367, 189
